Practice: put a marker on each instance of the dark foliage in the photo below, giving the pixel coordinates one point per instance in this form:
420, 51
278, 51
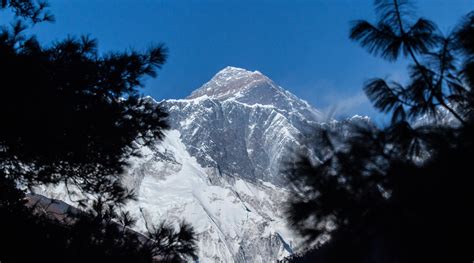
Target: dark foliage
400, 193
433, 84
33, 10
171, 245
34, 233
73, 116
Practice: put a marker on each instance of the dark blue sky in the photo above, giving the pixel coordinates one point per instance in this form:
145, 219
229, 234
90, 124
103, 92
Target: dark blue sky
302, 45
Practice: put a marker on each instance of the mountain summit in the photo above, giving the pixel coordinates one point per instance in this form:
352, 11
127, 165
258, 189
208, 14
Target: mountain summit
254, 88
231, 82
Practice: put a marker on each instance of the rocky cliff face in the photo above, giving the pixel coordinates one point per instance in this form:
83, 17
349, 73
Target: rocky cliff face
242, 124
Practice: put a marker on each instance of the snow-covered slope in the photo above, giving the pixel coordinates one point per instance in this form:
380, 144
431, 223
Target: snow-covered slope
236, 221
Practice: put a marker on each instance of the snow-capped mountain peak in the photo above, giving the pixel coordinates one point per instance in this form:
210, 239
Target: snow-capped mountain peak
253, 88
231, 82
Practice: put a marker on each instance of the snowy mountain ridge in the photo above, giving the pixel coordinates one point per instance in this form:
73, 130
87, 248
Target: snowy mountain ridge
254, 88
229, 82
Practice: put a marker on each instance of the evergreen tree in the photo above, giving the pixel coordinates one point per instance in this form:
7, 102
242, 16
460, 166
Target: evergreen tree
400, 193
73, 116
34, 10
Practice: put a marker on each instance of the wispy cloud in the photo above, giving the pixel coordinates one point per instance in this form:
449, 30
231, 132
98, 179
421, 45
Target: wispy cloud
348, 105
337, 100
341, 107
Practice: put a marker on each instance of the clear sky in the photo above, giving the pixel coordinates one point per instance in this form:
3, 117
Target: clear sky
302, 45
